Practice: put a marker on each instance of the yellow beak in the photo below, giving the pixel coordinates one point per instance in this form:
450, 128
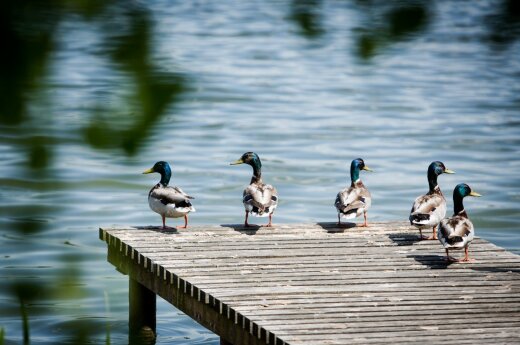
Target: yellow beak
239, 161
149, 171
474, 194
448, 171
367, 169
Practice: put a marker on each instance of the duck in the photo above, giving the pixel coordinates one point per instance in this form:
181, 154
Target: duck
168, 201
429, 209
260, 199
457, 231
355, 200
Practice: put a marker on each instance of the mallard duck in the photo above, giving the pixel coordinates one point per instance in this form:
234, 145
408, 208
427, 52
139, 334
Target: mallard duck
457, 231
168, 201
259, 199
429, 209
355, 200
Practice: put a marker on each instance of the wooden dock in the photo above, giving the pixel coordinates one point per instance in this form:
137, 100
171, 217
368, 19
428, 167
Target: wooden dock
319, 284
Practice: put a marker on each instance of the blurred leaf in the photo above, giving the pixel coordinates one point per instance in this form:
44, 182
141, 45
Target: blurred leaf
385, 26
151, 93
407, 20
504, 24
26, 34
305, 14
366, 46
25, 291
68, 284
39, 156
30, 225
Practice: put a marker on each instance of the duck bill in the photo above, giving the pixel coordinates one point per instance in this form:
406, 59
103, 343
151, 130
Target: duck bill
367, 169
448, 171
239, 161
475, 194
149, 171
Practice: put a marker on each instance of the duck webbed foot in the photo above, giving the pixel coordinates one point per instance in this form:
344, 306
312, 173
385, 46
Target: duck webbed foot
466, 256
246, 224
432, 237
185, 223
270, 224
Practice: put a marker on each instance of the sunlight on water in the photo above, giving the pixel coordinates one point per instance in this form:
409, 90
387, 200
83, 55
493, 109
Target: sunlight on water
100, 91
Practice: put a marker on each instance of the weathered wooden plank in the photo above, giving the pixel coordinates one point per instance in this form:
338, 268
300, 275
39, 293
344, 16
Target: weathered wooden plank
320, 284
476, 332
370, 323
492, 264
392, 330
342, 273
294, 302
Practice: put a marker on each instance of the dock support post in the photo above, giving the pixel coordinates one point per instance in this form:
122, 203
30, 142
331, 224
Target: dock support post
224, 342
142, 309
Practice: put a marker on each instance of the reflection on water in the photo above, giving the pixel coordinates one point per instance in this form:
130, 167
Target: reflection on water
93, 92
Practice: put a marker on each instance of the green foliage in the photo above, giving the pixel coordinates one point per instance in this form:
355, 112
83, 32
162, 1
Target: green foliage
30, 36
389, 24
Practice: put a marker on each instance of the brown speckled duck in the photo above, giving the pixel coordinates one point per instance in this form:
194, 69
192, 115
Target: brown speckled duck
355, 200
259, 199
429, 209
457, 231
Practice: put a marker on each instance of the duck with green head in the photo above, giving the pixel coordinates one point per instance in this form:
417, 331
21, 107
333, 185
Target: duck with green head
457, 231
168, 201
259, 199
429, 209
355, 200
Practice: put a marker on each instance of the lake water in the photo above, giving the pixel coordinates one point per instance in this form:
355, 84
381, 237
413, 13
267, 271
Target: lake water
307, 85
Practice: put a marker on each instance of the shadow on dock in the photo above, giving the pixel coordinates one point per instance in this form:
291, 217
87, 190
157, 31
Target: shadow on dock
432, 261
249, 230
404, 239
333, 227
439, 262
159, 229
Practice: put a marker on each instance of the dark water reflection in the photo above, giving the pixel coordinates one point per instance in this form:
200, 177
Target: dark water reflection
94, 92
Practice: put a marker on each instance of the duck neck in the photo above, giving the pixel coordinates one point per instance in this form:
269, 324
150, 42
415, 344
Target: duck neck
458, 206
432, 181
257, 174
354, 174
256, 164
165, 176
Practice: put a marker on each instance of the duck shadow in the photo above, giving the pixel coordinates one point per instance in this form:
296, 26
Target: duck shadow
159, 229
333, 227
440, 262
246, 230
405, 239
432, 261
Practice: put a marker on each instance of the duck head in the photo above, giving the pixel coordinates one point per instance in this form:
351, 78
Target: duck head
435, 169
461, 191
251, 159
162, 168
356, 166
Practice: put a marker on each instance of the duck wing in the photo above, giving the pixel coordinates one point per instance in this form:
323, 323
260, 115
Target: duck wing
427, 203
170, 195
260, 196
456, 227
455, 231
427, 206
177, 189
352, 198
